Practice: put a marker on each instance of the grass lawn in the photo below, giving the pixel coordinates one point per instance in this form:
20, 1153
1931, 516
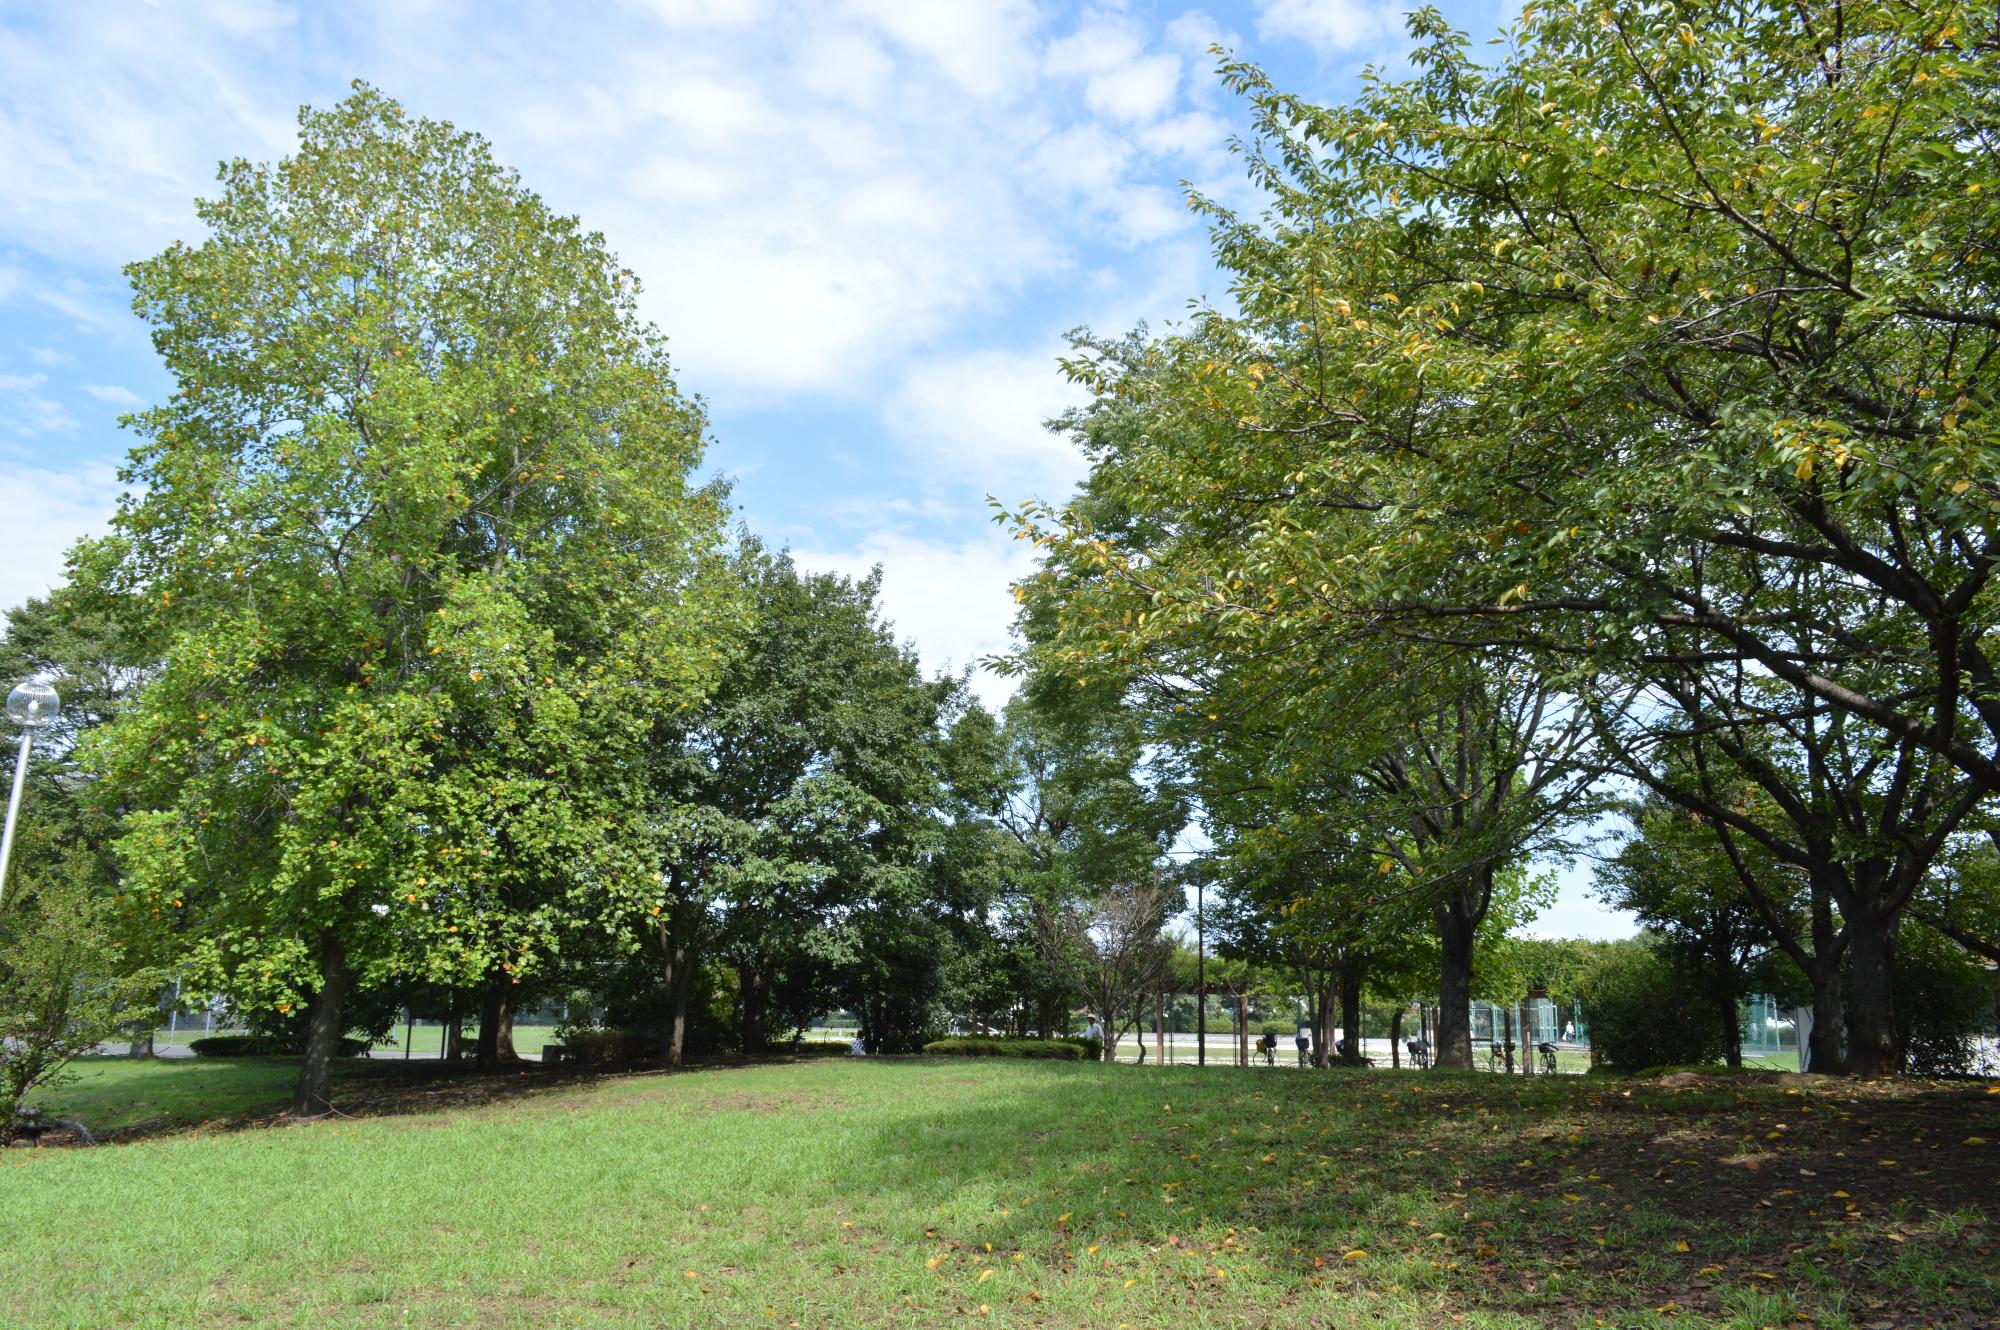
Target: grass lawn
915, 1192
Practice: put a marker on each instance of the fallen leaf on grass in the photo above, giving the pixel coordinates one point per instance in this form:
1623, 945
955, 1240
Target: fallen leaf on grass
1681, 1244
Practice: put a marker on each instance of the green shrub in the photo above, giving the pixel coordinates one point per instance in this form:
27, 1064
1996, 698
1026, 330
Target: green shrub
66, 981
1645, 1011
260, 1046
1944, 999
988, 1046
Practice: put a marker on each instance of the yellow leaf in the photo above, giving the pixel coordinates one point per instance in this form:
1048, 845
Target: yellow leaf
1571, 1196
1973, 1140
984, 1275
1354, 1255
1681, 1245
1130, 1282
1960, 486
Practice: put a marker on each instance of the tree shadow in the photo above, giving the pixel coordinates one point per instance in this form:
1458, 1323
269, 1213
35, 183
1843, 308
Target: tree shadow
1558, 1200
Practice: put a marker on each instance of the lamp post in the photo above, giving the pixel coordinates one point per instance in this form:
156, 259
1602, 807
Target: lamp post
1200, 977
31, 705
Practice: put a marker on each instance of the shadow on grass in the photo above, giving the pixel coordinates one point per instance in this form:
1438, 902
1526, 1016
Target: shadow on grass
126, 1100
1558, 1200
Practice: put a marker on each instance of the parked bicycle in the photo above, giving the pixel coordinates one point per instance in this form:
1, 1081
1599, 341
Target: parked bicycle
1548, 1052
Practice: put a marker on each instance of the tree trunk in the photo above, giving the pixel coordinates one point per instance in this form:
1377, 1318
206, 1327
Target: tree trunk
1242, 1030
678, 974
1732, 1032
312, 1098
1047, 1004
1828, 1013
1396, 1039
1350, 1011
1324, 1003
1722, 950
1825, 1052
1454, 1033
142, 1043
1872, 1046
755, 985
496, 1022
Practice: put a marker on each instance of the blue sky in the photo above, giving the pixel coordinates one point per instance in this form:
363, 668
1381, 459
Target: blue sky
865, 226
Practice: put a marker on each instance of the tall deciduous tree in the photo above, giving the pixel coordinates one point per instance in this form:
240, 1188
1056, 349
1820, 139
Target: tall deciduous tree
809, 789
1659, 349
1086, 810
415, 541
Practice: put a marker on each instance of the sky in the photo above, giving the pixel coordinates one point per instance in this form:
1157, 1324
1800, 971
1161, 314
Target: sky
866, 227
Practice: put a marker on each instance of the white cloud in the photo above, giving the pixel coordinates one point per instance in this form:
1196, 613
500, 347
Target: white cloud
1086, 160
52, 358
952, 598
1197, 136
113, 393
809, 195
1139, 90
1194, 33
982, 48
27, 412
1121, 80
1332, 26
710, 13
975, 421
44, 512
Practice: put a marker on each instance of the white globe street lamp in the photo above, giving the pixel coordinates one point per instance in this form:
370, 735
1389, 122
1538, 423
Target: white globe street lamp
31, 705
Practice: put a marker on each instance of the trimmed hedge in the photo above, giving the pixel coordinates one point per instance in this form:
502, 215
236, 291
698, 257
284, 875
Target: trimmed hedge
609, 1048
991, 1046
260, 1046
1645, 1012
